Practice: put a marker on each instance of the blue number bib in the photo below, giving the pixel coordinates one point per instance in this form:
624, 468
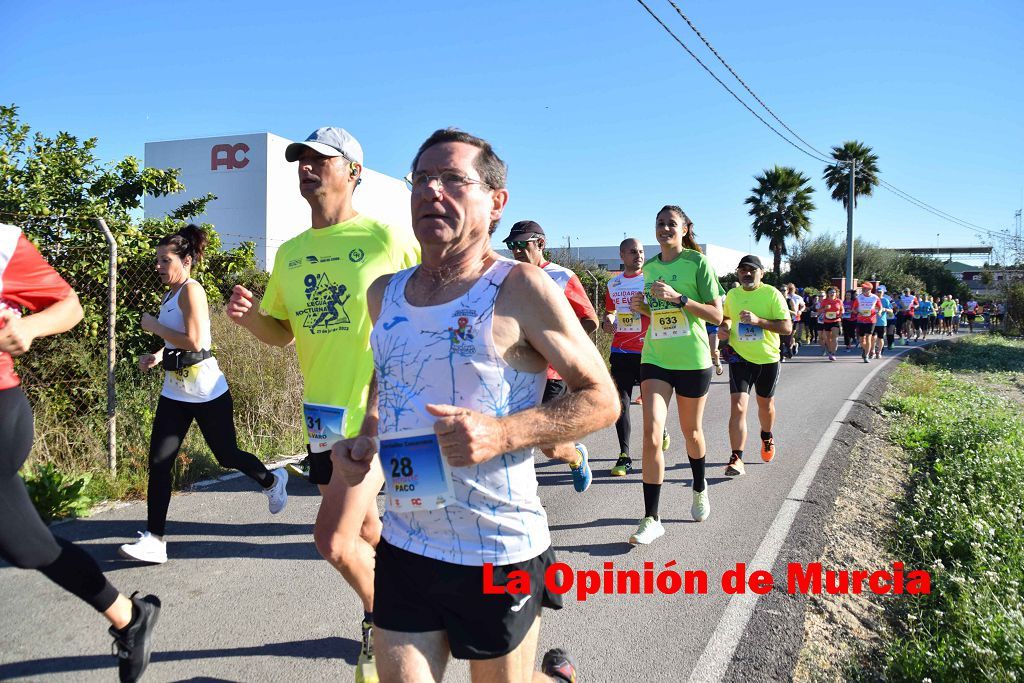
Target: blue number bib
325, 425
416, 475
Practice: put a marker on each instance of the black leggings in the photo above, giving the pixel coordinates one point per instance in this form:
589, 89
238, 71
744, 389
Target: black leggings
25, 541
849, 331
217, 423
625, 369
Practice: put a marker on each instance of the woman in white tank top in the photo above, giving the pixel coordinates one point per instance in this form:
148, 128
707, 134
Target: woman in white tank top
194, 389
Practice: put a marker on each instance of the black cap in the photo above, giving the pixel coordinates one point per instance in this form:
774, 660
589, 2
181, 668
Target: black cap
524, 230
751, 260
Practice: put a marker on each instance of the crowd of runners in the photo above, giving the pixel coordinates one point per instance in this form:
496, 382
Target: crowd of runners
432, 371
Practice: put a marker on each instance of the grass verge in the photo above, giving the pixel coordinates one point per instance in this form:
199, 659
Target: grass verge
957, 414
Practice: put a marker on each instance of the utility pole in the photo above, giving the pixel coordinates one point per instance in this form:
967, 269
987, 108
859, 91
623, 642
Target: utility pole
849, 225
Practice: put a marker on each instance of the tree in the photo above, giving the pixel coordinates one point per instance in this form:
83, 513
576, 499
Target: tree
837, 176
780, 204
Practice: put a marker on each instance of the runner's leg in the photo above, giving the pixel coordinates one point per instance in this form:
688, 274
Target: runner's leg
170, 425
413, 657
216, 420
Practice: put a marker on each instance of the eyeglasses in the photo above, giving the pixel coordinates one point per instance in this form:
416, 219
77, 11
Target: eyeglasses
448, 181
519, 244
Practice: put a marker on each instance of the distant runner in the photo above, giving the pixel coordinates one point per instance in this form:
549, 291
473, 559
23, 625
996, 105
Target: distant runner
831, 310
867, 307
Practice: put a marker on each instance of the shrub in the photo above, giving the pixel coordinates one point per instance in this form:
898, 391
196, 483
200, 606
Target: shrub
57, 495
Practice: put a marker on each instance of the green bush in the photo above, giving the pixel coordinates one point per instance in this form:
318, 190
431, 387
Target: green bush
57, 495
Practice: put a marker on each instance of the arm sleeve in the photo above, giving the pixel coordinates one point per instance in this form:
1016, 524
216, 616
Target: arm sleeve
29, 281
609, 305
578, 299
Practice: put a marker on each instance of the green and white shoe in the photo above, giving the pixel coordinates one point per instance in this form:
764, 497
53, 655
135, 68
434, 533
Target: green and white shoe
665, 440
649, 530
623, 466
701, 507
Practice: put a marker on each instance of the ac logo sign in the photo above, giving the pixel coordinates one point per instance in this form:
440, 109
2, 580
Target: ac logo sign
229, 156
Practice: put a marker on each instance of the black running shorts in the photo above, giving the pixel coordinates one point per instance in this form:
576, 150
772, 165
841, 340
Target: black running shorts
880, 331
763, 378
686, 383
920, 324
828, 327
416, 594
320, 467
864, 329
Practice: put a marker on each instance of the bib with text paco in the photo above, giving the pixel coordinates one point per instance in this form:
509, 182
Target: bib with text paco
416, 475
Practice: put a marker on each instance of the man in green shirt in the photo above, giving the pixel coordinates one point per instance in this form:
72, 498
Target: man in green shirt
316, 298
755, 315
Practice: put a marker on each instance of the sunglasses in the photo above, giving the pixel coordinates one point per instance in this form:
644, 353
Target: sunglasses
519, 244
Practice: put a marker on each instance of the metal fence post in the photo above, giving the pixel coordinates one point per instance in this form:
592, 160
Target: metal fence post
111, 348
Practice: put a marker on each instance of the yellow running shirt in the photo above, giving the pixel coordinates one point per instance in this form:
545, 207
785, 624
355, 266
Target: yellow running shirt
755, 344
675, 339
319, 285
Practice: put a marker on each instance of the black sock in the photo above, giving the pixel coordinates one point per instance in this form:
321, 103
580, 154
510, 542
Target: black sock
765, 436
652, 494
268, 480
368, 617
697, 467
738, 454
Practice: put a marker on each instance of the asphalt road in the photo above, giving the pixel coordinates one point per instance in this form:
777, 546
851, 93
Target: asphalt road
247, 598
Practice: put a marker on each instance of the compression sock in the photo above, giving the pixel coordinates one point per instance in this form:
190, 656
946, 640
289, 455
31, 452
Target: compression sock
738, 454
652, 495
765, 436
368, 617
697, 467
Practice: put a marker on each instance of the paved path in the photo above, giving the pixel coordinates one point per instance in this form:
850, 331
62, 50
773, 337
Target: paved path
247, 598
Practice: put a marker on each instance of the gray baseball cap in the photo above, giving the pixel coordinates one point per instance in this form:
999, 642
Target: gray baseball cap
329, 141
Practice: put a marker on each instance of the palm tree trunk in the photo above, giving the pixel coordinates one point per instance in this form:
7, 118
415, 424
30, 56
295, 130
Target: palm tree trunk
778, 261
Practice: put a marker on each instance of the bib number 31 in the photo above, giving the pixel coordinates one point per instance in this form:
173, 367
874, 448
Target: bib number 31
416, 475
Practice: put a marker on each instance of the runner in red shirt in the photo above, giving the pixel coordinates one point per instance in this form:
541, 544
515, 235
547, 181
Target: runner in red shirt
27, 281
526, 242
866, 309
831, 310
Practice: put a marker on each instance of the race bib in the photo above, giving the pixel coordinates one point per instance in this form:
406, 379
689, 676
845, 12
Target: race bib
865, 312
747, 332
185, 379
830, 315
627, 322
416, 475
325, 425
669, 322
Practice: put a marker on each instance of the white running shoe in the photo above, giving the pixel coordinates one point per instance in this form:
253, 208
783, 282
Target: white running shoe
701, 507
148, 548
277, 494
650, 529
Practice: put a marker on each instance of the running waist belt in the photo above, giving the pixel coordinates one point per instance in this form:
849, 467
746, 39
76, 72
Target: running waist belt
176, 359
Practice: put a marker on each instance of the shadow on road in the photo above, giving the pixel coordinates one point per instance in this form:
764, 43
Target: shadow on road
344, 649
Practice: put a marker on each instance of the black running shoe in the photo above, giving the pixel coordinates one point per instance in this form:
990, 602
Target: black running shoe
558, 664
134, 643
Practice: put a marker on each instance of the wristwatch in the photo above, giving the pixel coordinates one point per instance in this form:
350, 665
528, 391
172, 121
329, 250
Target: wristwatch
682, 300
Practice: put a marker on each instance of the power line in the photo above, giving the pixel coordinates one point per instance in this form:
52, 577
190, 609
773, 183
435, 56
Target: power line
730, 91
818, 155
741, 81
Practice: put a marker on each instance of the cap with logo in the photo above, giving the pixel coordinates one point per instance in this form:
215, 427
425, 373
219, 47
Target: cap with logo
867, 284
329, 141
524, 230
752, 261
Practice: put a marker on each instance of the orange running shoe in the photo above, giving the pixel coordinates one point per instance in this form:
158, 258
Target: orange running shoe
768, 449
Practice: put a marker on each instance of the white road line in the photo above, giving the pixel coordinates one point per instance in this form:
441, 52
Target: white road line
714, 661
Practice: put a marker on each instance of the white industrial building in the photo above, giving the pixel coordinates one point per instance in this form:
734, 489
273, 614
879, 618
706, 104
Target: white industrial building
257, 191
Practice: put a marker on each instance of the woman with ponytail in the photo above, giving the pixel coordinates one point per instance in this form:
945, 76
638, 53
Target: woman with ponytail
194, 389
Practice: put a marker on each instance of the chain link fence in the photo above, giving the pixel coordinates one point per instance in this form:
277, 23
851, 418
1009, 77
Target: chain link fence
94, 407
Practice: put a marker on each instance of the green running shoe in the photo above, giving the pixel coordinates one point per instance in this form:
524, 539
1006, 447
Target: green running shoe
623, 466
649, 530
666, 440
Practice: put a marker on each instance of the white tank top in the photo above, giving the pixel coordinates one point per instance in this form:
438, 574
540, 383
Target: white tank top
445, 354
197, 383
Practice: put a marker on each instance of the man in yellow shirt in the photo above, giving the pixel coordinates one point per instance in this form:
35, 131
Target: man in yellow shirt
755, 316
316, 297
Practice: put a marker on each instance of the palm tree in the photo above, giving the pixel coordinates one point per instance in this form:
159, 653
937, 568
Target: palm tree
780, 205
837, 176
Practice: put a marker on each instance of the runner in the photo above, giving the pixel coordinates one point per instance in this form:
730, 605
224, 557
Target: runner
866, 307
799, 306
831, 309
28, 281
949, 314
627, 343
958, 317
194, 389
882, 321
682, 294
342, 251
812, 318
890, 318
755, 316
908, 304
849, 318
921, 315
972, 314
933, 313
526, 242
472, 423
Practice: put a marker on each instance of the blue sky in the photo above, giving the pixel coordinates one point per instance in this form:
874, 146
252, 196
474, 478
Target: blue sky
601, 116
